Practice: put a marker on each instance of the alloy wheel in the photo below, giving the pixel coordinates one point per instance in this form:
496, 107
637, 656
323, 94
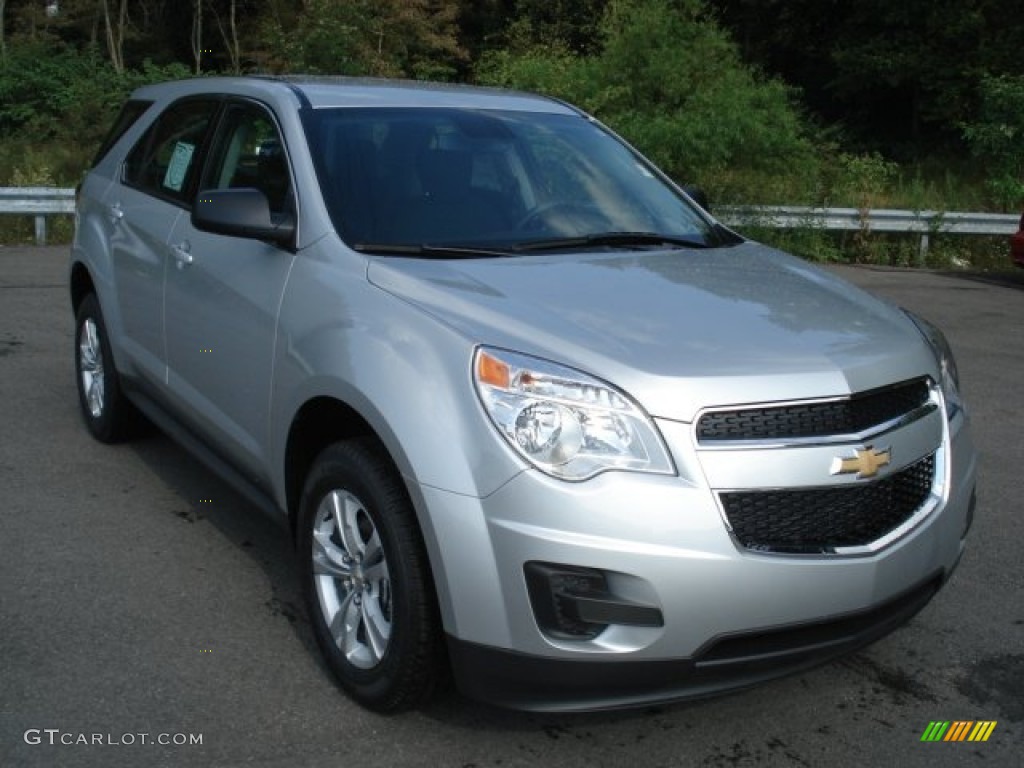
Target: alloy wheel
90, 357
352, 579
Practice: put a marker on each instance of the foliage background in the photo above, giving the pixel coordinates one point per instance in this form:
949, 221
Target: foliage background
915, 104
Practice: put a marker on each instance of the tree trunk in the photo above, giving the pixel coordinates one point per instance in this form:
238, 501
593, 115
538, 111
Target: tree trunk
236, 49
197, 35
230, 36
115, 33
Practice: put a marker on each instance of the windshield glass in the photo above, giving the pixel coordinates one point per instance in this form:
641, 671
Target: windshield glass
406, 178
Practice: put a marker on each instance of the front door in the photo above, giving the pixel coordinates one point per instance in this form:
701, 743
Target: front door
223, 293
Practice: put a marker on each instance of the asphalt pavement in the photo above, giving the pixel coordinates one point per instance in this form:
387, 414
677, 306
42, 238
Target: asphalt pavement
142, 601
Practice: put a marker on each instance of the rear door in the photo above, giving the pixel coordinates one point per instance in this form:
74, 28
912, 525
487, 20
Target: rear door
155, 183
223, 294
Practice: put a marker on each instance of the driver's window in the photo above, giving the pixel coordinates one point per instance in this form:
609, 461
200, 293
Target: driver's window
249, 152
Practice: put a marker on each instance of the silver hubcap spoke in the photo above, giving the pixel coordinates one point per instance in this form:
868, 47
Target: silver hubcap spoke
328, 558
352, 579
378, 629
90, 355
350, 630
376, 573
346, 509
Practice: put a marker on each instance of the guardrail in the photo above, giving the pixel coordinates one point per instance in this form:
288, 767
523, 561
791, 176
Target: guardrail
925, 223
41, 201
44, 201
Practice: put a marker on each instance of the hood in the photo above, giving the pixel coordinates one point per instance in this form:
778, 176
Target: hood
679, 330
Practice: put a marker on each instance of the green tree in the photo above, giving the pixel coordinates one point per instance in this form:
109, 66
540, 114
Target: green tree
996, 137
671, 81
573, 24
57, 102
390, 38
899, 77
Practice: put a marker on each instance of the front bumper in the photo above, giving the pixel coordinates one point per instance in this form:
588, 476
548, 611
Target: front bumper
543, 684
732, 617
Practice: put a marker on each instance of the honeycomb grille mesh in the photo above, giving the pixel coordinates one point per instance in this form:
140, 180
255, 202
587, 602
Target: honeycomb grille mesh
820, 519
808, 420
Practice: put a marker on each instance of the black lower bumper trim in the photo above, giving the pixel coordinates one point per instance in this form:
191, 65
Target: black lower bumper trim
520, 681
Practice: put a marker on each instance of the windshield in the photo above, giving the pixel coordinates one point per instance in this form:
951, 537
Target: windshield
421, 180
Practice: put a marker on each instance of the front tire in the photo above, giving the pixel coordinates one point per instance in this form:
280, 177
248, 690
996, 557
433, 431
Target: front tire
366, 578
107, 413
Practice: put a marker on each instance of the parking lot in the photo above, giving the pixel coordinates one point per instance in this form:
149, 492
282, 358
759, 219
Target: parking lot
141, 596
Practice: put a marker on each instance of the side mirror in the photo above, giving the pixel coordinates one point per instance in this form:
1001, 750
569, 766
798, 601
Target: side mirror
241, 212
698, 195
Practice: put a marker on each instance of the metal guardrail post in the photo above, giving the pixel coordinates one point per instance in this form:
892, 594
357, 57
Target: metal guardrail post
38, 202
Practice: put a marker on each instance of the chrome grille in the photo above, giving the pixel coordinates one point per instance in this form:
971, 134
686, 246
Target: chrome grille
849, 416
819, 520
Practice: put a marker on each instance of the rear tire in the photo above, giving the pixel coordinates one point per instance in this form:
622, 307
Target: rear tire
366, 578
107, 413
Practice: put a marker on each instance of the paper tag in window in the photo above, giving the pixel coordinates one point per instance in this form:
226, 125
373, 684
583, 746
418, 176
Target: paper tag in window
174, 178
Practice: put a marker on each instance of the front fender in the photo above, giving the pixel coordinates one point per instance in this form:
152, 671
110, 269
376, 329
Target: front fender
407, 374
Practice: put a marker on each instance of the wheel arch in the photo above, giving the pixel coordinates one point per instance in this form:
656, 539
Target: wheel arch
318, 423
323, 420
80, 285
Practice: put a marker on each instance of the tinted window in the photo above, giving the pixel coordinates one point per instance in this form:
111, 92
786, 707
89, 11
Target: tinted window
130, 112
164, 161
456, 176
248, 152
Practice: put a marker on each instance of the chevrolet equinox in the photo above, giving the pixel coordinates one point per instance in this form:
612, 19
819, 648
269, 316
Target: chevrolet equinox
537, 421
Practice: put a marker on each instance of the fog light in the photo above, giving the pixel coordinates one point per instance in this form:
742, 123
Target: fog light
575, 603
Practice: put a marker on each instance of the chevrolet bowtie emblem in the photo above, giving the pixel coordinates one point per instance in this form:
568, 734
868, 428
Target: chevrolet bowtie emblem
865, 463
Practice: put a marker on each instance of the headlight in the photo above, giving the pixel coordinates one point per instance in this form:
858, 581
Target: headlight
950, 376
562, 421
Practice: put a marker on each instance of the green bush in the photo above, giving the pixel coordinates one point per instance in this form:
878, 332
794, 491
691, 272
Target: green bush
859, 181
56, 104
996, 138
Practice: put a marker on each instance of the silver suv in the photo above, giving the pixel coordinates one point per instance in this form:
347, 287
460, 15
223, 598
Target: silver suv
535, 418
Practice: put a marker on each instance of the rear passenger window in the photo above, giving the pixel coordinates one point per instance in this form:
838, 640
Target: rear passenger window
164, 161
130, 112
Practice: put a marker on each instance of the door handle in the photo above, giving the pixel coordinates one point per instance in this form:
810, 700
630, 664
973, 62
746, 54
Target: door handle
182, 254
116, 213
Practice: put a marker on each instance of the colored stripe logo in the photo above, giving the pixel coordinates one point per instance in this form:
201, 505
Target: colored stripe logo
958, 730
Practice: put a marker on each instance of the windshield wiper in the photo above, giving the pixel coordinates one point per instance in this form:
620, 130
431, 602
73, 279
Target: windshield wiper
620, 239
436, 251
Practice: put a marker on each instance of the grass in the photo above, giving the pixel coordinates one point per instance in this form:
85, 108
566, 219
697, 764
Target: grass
975, 252
21, 230
934, 187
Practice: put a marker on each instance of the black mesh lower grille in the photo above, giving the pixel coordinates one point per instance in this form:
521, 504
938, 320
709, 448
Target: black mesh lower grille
821, 519
802, 420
